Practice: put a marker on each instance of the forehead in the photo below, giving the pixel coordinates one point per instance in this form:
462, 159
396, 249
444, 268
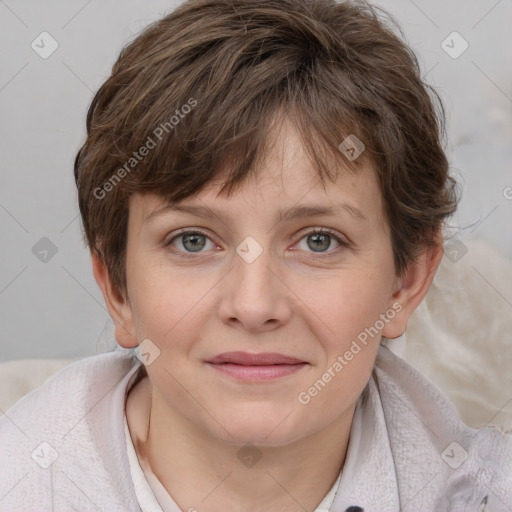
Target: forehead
286, 183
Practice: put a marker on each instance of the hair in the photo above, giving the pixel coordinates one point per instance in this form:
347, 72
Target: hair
213, 74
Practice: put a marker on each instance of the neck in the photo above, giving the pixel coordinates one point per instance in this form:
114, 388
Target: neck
208, 474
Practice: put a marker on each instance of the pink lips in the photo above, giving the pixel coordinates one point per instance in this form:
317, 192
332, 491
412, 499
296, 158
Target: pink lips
256, 367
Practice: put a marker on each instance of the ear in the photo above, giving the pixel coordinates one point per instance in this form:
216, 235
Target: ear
119, 308
412, 287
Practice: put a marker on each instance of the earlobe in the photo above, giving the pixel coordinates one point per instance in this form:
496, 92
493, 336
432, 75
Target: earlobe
412, 288
118, 307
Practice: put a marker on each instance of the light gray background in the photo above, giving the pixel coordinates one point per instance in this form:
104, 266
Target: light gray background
54, 308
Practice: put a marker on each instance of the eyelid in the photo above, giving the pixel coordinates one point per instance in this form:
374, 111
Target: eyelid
342, 239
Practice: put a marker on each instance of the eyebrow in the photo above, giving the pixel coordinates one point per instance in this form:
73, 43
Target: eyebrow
295, 212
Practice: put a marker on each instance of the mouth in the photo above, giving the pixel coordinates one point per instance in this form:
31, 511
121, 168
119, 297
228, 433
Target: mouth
256, 367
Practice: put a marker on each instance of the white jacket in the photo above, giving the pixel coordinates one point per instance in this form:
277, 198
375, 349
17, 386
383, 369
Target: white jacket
63, 446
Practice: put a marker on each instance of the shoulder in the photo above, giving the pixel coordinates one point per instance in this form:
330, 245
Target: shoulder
65, 433
72, 386
431, 443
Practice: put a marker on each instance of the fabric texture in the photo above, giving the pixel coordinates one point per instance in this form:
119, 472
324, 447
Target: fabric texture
63, 446
21, 376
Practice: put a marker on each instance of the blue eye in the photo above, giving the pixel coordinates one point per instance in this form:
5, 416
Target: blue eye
194, 241
320, 238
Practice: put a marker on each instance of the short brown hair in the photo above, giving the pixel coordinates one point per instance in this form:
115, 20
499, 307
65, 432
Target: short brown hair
335, 68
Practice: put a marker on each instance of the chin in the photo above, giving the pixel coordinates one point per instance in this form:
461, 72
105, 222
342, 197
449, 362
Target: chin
259, 429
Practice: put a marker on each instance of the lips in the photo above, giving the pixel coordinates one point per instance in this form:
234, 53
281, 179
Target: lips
247, 359
247, 367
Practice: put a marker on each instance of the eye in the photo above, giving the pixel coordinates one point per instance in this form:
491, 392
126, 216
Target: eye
192, 241
319, 239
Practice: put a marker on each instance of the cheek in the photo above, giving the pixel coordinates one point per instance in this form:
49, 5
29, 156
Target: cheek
165, 300
346, 313
344, 305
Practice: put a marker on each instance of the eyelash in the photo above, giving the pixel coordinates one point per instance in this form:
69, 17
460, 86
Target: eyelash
342, 242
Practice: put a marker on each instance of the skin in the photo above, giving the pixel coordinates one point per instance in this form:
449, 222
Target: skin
189, 421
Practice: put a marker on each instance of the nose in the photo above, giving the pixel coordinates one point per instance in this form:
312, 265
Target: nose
255, 297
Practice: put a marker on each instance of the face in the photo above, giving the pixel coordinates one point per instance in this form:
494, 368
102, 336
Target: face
250, 278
